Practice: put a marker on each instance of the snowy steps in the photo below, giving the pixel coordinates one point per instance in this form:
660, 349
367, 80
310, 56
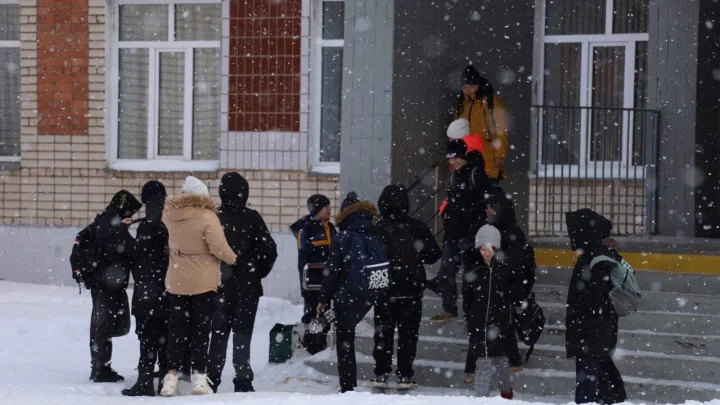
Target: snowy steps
669, 352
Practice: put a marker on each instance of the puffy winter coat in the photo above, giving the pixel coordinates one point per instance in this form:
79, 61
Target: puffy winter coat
357, 218
517, 253
591, 322
248, 236
153, 256
410, 243
197, 245
490, 122
465, 211
116, 245
489, 314
111, 309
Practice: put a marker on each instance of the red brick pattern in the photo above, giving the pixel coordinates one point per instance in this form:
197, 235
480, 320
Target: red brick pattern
62, 67
264, 93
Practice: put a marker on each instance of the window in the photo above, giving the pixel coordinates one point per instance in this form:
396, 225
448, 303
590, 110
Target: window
9, 82
594, 85
166, 85
327, 33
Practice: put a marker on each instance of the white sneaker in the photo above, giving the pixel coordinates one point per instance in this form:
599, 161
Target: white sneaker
171, 387
201, 384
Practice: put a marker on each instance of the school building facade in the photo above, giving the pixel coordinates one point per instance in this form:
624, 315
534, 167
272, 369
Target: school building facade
614, 103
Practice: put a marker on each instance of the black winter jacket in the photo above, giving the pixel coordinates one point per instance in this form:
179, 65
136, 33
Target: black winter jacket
111, 309
465, 211
489, 313
410, 244
116, 245
591, 322
517, 253
248, 236
359, 218
151, 265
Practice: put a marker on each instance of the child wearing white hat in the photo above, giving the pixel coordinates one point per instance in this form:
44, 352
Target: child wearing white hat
487, 311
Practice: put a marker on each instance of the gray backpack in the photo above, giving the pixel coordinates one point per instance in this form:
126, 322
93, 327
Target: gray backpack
625, 292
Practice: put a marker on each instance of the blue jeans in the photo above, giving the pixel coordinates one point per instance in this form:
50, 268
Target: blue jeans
445, 283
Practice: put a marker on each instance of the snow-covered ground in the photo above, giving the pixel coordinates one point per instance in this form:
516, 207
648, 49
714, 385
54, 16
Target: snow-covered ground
44, 359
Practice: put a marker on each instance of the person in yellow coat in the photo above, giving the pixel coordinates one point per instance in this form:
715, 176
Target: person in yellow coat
487, 115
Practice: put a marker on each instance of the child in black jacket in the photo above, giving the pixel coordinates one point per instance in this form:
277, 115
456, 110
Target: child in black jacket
411, 245
314, 234
489, 313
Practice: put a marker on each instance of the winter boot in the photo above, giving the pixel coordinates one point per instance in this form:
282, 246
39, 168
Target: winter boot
170, 386
406, 384
469, 379
140, 389
379, 383
105, 374
201, 384
507, 395
243, 386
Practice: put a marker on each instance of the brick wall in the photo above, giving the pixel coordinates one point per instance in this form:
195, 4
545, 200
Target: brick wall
64, 178
62, 63
47, 196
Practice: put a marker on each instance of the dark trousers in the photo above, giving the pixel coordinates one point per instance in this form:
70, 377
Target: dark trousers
445, 283
100, 347
311, 299
347, 365
405, 315
152, 332
236, 315
598, 381
190, 321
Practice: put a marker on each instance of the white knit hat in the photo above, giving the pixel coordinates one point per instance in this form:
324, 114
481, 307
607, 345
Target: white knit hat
458, 129
488, 235
194, 186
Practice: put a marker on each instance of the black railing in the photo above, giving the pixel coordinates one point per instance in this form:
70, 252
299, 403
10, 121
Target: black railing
599, 158
429, 201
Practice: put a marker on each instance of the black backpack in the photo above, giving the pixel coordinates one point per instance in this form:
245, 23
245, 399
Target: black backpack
367, 274
403, 256
85, 257
529, 322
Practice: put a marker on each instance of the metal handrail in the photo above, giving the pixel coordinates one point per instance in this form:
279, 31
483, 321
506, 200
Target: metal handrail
419, 178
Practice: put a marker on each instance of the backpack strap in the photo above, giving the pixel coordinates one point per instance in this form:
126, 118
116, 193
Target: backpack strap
602, 258
605, 258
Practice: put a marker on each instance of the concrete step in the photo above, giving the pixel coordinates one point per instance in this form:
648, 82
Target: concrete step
649, 281
533, 383
642, 364
688, 323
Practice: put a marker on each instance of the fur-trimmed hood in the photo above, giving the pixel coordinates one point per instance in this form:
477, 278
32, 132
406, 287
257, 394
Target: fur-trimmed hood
359, 216
185, 206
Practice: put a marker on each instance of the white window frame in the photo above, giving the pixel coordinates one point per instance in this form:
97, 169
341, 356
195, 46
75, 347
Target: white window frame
317, 43
12, 44
586, 168
154, 162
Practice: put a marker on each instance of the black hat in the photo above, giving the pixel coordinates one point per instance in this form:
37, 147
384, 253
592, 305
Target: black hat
125, 203
316, 203
151, 189
471, 76
394, 201
234, 189
351, 199
457, 148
